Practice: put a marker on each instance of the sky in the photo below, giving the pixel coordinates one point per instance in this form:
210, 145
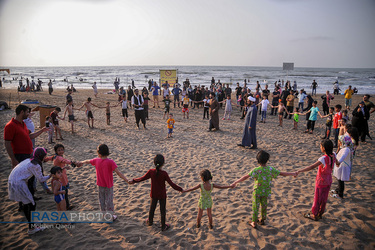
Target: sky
309, 33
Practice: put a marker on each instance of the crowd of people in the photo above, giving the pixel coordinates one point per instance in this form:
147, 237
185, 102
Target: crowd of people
27, 161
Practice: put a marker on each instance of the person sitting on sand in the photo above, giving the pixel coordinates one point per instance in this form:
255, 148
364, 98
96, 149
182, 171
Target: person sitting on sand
89, 114
262, 176
205, 199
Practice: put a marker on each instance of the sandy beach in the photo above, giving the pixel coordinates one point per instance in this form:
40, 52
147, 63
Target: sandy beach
347, 224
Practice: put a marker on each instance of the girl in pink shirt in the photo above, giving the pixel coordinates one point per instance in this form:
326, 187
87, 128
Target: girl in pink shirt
323, 179
104, 177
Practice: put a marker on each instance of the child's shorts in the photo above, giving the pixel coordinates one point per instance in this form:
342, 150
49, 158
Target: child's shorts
71, 117
125, 113
90, 115
170, 130
185, 110
59, 198
166, 110
281, 113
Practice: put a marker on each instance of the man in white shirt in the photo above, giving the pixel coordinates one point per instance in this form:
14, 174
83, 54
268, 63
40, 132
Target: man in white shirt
137, 102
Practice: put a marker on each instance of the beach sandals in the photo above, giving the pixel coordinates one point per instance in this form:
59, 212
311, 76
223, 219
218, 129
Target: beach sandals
252, 223
261, 222
167, 226
310, 216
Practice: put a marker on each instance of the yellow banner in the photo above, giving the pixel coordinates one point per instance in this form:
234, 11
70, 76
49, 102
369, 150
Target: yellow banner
168, 75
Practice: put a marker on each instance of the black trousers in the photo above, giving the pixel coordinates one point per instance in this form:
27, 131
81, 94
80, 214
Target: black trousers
140, 115
205, 112
310, 124
340, 188
163, 211
27, 208
290, 110
146, 111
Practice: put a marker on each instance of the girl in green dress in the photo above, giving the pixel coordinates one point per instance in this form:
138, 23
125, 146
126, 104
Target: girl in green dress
205, 199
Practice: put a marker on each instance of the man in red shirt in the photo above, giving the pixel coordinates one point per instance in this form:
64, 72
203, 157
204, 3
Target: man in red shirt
18, 138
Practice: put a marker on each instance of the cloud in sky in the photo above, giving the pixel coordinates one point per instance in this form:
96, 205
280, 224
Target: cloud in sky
167, 32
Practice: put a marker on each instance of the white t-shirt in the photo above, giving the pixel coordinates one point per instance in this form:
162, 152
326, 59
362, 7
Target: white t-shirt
264, 104
124, 104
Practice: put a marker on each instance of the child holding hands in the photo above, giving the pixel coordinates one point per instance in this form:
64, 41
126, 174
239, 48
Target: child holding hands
205, 199
57, 188
158, 192
104, 177
262, 176
323, 179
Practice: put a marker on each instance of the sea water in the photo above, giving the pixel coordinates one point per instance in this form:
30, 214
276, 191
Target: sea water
84, 77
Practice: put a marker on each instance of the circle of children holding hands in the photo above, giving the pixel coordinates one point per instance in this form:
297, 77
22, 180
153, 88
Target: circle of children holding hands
339, 164
20, 191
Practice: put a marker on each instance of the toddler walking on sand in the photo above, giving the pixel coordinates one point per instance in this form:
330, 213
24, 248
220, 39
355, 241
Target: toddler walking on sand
205, 199
262, 176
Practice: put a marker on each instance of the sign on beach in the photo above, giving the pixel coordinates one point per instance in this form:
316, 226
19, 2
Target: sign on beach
288, 66
168, 75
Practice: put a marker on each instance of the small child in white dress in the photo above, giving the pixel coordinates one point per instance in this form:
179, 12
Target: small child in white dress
228, 108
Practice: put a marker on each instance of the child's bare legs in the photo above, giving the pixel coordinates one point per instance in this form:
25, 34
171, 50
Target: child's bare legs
61, 206
72, 123
280, 120
92, 122
108, 120
209, 214
58, 130
295, 125
200, 213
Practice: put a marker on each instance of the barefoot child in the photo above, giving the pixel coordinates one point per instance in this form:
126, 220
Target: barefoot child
167, 103
185, 106
205, 199
280, 110
69, 108
89, 114
262, 176
104, 178
124, 106
59, 193
329, 123
59, 161
158, 192
49, 126
170, 125
323, 179
108, 112
55, 120
296, 115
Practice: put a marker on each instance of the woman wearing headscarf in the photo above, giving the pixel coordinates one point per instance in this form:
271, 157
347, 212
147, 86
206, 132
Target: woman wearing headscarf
344, 162
18, 187
214, 113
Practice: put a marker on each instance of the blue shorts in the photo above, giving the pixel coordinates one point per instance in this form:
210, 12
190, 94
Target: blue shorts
59, 198
170, 130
